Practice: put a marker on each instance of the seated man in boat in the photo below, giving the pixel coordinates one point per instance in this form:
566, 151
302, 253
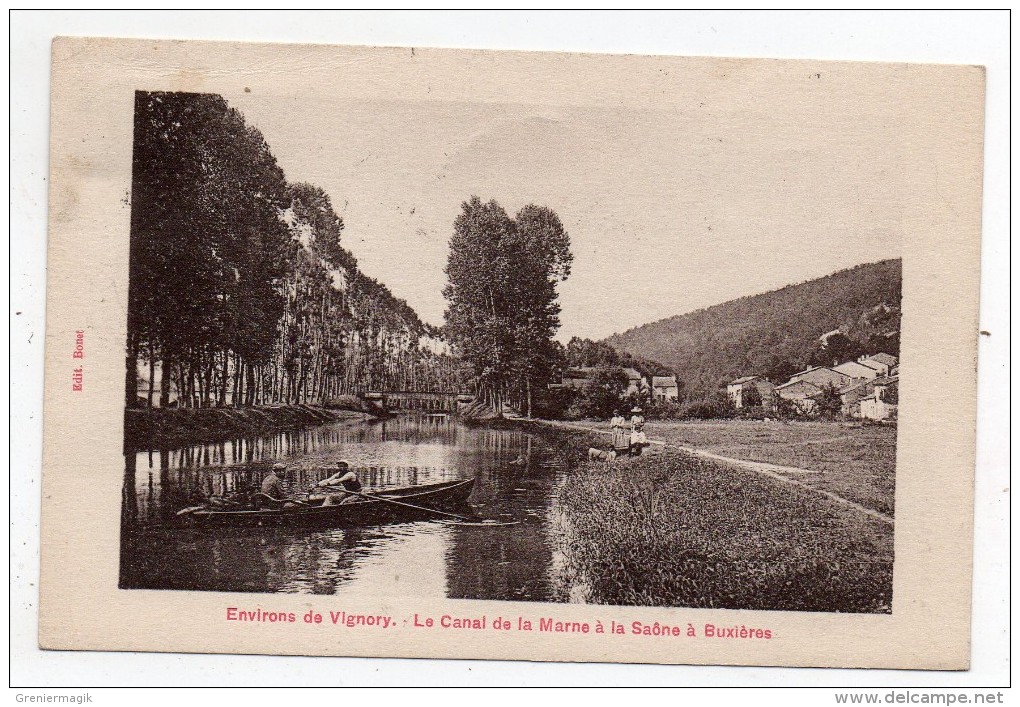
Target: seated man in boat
345, 481
274, 494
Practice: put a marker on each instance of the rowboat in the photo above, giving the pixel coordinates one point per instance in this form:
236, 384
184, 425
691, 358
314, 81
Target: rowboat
371, 508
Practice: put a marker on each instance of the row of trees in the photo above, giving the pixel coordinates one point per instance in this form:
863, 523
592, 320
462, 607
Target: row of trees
240, 290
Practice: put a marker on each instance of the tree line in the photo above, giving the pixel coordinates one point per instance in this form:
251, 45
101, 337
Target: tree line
502, 301
240, 292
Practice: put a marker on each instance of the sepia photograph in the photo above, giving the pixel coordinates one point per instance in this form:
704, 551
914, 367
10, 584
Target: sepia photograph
478, 351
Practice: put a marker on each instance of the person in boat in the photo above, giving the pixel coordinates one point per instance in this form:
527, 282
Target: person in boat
344, 482
618, 425
638, 439
274, 492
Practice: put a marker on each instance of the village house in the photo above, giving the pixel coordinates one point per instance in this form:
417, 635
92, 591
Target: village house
851, 396
665, 388
822, 376
882, 362
883, 401
800, 393
577, 377
737, 391
858, 370
636, 382
867, 387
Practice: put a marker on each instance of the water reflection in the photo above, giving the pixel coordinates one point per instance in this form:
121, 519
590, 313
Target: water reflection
517, 477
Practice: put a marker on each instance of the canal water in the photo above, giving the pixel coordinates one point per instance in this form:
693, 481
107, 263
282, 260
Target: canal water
517, 479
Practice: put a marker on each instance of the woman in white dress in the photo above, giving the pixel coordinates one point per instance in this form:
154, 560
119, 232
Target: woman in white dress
638, 439
618, 425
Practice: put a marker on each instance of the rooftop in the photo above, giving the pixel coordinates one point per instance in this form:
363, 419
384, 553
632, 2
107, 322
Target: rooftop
884, 358
796, 382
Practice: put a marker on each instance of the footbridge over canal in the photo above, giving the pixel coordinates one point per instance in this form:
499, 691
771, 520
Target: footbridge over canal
416, 401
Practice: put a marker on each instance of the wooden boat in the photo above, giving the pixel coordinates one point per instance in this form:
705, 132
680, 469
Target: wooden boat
372, 509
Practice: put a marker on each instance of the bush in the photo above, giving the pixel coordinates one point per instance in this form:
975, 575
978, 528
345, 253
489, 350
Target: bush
787, 409
829, 404
756, 412
700, 410
751, 397
555, 404
665, 410
601, 393
714, 407
633, 400
347, 402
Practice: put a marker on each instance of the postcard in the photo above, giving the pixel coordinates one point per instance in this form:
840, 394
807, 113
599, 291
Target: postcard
405, 352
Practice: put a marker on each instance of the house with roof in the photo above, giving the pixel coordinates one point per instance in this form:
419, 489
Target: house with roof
737, 391
883, 402
882, 362
858, 370
665, 388
575, 377
852, 395
578, 376
635, 381
801, 393
735, 388
822, 376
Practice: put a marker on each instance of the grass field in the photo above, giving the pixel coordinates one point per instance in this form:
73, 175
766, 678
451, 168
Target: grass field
852, 461
672, 529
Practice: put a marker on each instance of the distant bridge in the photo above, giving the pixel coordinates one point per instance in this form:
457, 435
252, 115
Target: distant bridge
409, 400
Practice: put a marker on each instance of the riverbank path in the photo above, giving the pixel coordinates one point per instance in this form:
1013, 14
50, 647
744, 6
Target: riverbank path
774, 471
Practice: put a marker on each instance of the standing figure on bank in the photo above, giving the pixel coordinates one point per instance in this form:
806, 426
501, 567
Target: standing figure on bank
638, 440
618, 425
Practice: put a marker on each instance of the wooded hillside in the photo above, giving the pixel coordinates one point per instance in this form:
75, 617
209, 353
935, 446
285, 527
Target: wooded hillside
776, 333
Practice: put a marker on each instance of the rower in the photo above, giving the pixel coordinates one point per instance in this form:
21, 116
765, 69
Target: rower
343, 480
273, 491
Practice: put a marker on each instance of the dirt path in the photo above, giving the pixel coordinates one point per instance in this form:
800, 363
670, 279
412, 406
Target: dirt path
774, 471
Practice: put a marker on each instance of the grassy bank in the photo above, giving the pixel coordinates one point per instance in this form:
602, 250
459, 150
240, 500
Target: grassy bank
856, 462
165, 428
675, 530
672, 529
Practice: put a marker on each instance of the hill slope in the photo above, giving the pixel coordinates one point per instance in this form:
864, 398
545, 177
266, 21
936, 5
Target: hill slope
774, 333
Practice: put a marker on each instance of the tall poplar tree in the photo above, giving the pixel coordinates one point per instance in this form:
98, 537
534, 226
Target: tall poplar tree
208, 249
502, 301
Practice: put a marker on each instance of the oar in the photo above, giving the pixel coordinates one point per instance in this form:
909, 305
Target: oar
461, 518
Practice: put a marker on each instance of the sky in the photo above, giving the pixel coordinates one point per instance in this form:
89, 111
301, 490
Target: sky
681, 184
